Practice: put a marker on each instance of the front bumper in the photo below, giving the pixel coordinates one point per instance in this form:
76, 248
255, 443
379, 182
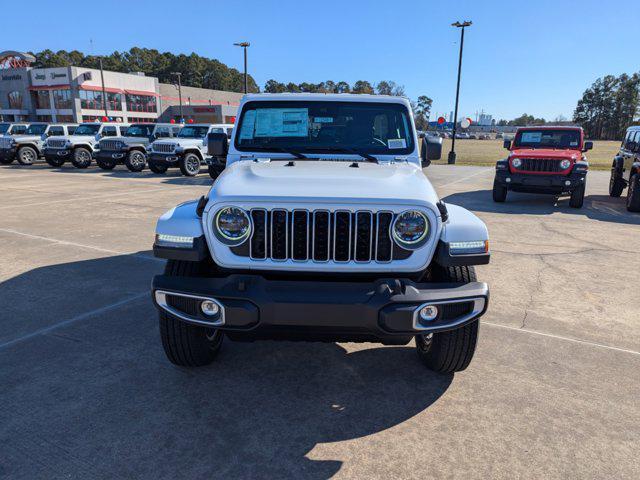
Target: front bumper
8, 153
555, 184
57, 153
170, 159
110, 155
386, 311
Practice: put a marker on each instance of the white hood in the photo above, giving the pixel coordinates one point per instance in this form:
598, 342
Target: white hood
321, 181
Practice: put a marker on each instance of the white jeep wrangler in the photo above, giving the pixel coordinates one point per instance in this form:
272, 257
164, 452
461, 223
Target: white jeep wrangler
322, 227
187, 151
82, 145
29, 146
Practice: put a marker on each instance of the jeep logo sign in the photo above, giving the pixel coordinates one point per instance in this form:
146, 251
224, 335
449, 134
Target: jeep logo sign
50, 76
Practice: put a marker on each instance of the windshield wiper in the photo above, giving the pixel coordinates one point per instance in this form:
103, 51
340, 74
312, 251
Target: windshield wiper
366, 156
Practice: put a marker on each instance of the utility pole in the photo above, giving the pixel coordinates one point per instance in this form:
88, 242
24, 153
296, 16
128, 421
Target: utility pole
179, 75
104, 91
244, 45
452, 153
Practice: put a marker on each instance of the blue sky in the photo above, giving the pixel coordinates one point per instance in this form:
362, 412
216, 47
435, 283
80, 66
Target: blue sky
520, 56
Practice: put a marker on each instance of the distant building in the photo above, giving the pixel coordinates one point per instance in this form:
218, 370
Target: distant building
485, 120
75, 94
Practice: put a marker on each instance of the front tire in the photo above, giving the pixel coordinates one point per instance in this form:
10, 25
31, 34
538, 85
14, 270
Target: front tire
214, 172
616, 183
633, 193
499, 191
55, 162
190, 165
81, 158
157, 167
105, 164
577, 197
184, 344
450, 351
135, 161
27, 155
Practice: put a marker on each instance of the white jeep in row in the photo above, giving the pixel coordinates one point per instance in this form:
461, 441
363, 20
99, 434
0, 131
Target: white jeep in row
27, 147
187, 151
82, 145
322, 227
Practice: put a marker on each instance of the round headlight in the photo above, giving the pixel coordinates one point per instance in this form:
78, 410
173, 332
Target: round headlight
564, 164
516, 162
233, 225
410, 229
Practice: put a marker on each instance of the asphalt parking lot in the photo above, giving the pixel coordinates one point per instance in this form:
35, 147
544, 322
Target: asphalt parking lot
86, 391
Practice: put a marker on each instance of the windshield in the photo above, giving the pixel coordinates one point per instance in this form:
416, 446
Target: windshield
36, 129
87, 129
139, 131
542, 138
4, 127
325, 127
193, 132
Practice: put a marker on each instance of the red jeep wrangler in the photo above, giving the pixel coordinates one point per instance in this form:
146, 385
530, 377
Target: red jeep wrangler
544, 160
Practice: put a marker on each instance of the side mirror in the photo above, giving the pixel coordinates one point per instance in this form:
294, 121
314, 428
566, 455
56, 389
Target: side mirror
587, 146
217, 144
431, 149
507, 144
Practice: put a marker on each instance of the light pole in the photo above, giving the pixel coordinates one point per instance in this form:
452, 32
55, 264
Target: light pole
104, 90
179, 75
452, 153
244, 45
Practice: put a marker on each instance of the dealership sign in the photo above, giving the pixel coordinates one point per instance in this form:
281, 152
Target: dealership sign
50, 76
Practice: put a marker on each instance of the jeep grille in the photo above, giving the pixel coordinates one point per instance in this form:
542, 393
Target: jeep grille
540, 165
5, 142
164, 147
56, 143
321, 236
111, 145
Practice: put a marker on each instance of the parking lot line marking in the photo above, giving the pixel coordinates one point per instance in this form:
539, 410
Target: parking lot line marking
464, 178
560, 337
84, 198
80, 245
77, 318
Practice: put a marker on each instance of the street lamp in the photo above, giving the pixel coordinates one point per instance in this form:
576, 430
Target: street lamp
244, 45
179, 75
461, 25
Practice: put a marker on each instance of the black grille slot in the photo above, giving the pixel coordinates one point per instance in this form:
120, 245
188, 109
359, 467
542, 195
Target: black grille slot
190, 306
300, 240
321, 236
279, 234
364, 234
451, 311
384, 245
342, 237
547, 165
259, 237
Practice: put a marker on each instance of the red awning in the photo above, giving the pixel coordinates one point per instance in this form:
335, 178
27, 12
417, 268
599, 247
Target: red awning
99, 89
142, 92
50, 87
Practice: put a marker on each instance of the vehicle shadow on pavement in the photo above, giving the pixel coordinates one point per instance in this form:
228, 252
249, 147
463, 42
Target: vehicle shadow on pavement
597, 207
97, 398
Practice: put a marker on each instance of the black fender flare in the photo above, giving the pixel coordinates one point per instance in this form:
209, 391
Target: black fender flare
635, 168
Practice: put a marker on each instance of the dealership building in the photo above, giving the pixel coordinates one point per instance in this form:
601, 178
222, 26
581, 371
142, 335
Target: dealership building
75, 94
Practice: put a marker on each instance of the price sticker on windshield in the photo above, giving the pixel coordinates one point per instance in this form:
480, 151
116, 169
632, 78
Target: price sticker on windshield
396, 143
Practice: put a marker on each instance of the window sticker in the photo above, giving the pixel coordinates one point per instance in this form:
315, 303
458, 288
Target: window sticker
248, 125
396, 143
531, 137
281, 122
573, 144
323, 120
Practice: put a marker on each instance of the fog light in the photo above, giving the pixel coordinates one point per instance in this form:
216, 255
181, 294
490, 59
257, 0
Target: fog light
428, 313
210, 308
567, 182
508, 180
